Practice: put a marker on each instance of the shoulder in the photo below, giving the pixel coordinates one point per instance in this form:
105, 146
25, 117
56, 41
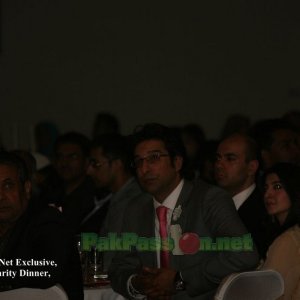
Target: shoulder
288, 243
135, 200
284, 251
39, 220
210, 195
200, 187
212, 201
290, 237
45, 214
133, 190
39, 229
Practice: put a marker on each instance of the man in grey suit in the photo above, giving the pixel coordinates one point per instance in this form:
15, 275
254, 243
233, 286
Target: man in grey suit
110, 169
192, 209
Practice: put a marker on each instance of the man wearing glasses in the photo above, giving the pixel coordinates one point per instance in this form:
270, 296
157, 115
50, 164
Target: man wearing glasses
110, 169
177, 207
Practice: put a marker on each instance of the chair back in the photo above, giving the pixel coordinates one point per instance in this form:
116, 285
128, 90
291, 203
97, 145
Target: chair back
52, 293
254, 285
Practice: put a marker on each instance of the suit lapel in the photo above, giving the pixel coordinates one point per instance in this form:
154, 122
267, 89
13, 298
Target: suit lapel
179, 219
182, 202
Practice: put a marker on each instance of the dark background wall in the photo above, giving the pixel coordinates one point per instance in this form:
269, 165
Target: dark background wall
66, 60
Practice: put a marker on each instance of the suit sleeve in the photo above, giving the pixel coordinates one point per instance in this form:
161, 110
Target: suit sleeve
222, 220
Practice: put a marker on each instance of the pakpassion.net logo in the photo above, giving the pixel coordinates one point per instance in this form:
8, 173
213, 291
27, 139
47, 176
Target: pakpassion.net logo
188, 243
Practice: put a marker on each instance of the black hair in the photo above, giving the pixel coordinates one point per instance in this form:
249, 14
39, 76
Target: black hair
29, 161
169, 136
263, 131
115, 146
105, 123
289, 175
74, 138
11, 159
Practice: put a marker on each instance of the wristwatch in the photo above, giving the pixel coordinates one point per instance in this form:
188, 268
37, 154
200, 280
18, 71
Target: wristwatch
179, 284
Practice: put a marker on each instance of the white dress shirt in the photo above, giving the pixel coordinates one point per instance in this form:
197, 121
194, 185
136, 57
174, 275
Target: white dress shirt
170, 203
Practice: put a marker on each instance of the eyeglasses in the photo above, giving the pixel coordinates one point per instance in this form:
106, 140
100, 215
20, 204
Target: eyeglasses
96, 164
69, 157
151, 159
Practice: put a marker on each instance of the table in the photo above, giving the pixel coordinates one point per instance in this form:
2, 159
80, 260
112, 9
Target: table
101, 293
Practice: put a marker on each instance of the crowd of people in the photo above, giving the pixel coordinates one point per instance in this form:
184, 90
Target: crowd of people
162, 183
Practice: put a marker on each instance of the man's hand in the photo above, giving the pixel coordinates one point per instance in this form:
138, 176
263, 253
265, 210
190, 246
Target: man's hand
141, 282
162, 283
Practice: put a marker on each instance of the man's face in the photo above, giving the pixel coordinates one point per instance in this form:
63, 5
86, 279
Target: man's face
70, 162
285, 147
232, 171
14, 195
157, 174
101, 169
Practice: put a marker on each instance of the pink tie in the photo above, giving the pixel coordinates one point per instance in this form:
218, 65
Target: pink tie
161, 212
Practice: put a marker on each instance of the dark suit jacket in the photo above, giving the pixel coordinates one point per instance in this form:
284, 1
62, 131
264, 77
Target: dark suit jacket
78, 204
41, 233
207, 211
253, 214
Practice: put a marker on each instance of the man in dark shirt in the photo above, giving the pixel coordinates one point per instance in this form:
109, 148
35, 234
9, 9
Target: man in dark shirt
78, 192
110, 169
36, 249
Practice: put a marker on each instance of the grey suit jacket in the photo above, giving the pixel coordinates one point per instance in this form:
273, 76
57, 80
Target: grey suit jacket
207, 211
130, 193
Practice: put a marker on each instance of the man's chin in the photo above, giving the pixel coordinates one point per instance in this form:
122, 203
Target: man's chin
150, 189
8, 217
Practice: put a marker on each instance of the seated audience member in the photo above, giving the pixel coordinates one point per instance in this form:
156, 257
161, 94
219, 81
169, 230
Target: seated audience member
71, 162
34, 234
105, 123
236, 166
293, 118
278, 142
110, 169
209, 157
177, 206
30, 163
194, 139
282, 201
236, 123
45, 135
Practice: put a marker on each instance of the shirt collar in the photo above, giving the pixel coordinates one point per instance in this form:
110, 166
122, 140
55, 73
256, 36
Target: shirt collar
241, 197
171, 200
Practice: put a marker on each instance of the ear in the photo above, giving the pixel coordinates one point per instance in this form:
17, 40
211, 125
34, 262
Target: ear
28, 188
253, 167
178, 161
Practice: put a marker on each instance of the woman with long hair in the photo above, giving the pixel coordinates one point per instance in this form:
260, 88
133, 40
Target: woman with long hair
282, 201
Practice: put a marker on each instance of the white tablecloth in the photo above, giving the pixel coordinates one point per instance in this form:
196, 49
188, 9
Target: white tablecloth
105, 293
